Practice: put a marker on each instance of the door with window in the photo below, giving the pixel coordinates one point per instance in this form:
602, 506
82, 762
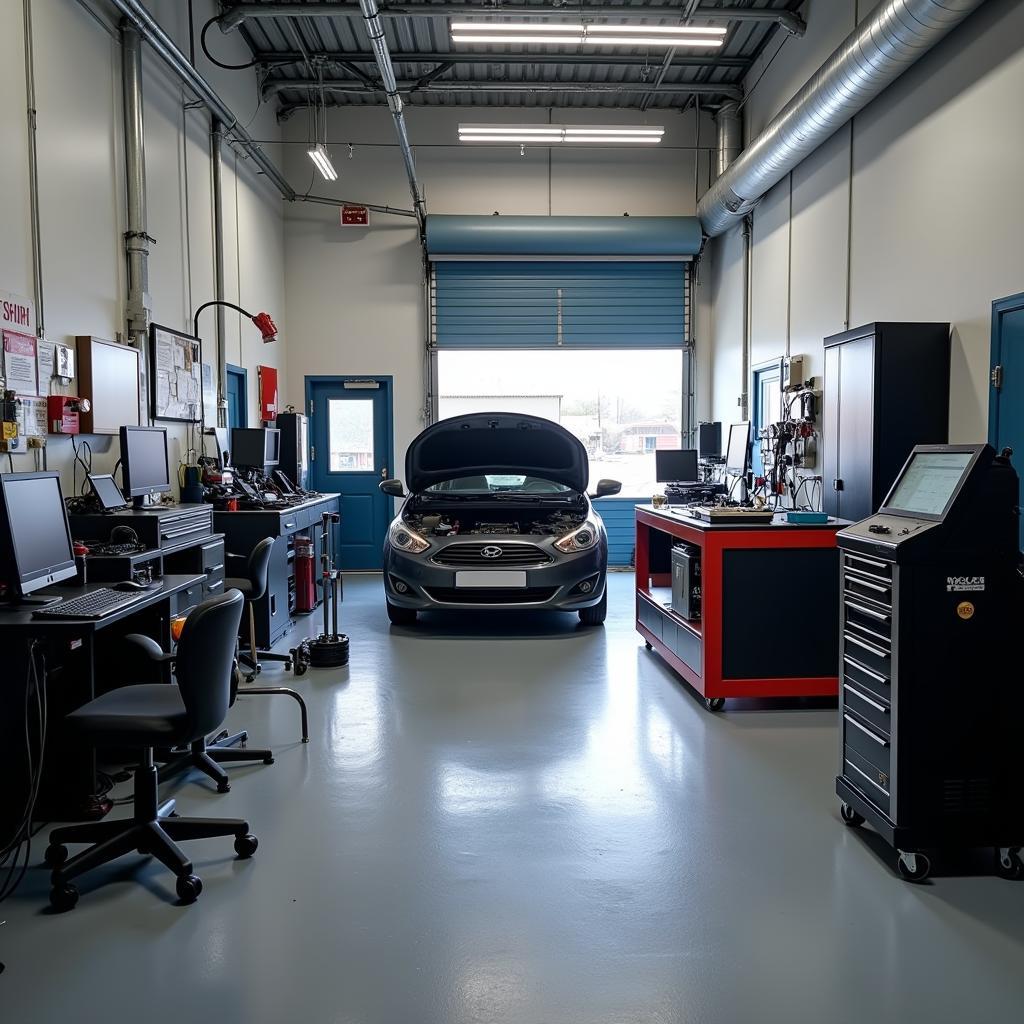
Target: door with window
1006, 404
350, 453
237, 395
767, 392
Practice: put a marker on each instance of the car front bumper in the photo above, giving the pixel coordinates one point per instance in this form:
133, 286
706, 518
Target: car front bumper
569, 583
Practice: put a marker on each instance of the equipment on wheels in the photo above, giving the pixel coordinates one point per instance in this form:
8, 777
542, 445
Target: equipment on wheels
330, 648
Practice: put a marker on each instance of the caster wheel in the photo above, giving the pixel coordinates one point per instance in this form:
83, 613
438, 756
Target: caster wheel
649, 645
913, 867
269, 759
288, 666
850, 816
1009, 863
245, 846
714, 703
188, 888
55, 855
223, 787
300, 668
63, 896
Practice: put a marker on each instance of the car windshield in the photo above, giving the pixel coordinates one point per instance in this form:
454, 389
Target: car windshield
512, 483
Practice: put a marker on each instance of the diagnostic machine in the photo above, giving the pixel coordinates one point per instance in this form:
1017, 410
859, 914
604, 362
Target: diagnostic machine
931, 701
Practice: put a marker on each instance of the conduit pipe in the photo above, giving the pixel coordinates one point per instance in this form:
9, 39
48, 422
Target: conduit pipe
873, 56
33, 168
379, 45
729, 142
216, 161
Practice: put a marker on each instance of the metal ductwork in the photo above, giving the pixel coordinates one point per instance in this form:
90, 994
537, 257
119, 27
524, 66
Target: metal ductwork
873, 56
729, 122
379, 44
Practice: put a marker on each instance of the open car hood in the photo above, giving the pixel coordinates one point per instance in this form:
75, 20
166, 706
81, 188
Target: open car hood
496, 443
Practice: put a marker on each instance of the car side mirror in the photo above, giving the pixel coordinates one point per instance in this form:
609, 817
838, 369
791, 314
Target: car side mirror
605, 488
392, 487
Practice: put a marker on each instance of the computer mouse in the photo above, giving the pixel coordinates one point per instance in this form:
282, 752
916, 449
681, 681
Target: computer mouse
130, 585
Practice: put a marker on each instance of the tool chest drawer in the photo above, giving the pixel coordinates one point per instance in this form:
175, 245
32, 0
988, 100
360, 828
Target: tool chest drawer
212, 556
870, 780
867, 707
867, 742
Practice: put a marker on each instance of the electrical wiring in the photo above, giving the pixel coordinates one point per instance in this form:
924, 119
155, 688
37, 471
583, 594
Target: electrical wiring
83, 460
213, 60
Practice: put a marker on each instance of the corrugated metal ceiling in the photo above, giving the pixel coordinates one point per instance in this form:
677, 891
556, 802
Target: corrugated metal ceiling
302, 48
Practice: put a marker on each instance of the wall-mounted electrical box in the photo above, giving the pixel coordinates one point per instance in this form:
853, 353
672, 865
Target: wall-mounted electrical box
10, 409
792, 372
63, 413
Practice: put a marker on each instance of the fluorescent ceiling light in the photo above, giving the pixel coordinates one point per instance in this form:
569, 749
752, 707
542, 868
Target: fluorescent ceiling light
582, 40
577, 33
555, 135
579, 27
319, 155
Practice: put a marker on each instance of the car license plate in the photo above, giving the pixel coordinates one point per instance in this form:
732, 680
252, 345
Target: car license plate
494, 578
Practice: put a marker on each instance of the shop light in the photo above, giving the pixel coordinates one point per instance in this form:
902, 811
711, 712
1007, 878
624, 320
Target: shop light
580, 34
559, 134
319, 155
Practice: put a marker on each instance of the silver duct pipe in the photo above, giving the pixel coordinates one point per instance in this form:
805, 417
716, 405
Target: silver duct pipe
169, 53
216, 164
232, 18
873, 56
136, 237
33, 168
729, 122
379, 45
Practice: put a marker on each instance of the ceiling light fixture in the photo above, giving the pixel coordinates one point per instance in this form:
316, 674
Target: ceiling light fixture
578, 33
557, 134
319, 155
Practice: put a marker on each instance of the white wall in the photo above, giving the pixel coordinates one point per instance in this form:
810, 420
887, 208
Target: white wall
82, 192
355, 296
937, 208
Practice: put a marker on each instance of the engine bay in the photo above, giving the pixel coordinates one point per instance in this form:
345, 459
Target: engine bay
459, 523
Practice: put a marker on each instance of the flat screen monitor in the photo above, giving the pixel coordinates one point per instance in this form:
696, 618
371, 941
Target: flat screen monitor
220, 437
928, 483
36, 533
255, 447
737, 454
675, 465
108, 494
709, 440
144, 461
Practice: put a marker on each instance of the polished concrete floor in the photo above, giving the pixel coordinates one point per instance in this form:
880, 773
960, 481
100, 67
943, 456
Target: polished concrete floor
516, 820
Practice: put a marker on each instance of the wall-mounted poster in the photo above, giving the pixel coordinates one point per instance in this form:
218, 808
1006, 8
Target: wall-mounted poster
175, 377
20, 372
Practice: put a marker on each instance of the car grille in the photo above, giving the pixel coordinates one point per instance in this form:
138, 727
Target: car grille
486, 595
513, 555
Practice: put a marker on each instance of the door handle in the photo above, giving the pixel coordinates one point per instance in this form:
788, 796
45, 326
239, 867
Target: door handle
384, 473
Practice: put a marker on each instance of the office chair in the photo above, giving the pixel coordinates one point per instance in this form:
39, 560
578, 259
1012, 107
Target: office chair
147, 716
253, 585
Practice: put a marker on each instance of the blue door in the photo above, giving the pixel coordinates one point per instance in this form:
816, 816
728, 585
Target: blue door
767, 394
1006, 399
237, 396
350, 453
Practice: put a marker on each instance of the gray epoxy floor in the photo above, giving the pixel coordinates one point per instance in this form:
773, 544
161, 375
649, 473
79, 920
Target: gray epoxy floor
540, 828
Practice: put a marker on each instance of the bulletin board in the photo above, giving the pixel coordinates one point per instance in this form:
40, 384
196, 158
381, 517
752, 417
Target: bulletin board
175, 375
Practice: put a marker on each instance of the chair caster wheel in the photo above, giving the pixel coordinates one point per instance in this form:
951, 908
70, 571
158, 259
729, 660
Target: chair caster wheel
188, 888
288, 665
1009, 863
245, 846
913, 867
269, 759
300, 667
649, 645
714, 703
63, 896
223, 787
55, 855
850, 816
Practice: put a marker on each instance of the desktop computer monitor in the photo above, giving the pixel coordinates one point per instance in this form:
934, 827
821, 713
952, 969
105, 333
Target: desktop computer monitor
709, 440
256, 447
737, 454
34, 533
676, 465
144, 463
108, 494
223, 445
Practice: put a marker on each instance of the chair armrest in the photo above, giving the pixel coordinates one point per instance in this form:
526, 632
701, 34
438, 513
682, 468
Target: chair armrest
149, 647
231, 557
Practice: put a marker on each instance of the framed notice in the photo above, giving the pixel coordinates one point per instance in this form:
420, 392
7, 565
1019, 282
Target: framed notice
175, 375
20, 372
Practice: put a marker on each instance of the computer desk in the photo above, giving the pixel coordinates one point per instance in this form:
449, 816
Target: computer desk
84, 657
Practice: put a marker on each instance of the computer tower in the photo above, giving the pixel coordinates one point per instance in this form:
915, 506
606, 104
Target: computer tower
294, 462
686, 581
709, 440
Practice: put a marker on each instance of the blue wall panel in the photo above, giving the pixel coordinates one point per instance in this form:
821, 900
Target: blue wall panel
620, 522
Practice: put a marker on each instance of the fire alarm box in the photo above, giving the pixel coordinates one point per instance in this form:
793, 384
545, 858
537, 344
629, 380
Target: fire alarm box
62, 413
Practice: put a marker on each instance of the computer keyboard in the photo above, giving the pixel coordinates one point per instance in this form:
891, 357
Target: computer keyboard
96, 605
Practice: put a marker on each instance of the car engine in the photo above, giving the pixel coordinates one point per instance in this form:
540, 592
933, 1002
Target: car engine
551, 525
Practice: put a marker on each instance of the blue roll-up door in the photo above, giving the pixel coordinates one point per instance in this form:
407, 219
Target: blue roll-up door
556, 304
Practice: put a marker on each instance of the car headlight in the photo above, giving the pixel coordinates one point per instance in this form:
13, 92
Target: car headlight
405, 539
581, 539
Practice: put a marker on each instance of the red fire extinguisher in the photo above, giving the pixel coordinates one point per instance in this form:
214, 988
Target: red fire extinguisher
305, 588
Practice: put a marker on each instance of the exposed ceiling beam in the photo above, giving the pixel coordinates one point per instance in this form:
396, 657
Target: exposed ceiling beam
237, 13
281, 57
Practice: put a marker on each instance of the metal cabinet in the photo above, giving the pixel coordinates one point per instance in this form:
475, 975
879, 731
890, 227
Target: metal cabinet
886, 389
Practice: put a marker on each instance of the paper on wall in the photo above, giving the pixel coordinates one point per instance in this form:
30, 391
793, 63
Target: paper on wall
20, 363
46, 353
32, 417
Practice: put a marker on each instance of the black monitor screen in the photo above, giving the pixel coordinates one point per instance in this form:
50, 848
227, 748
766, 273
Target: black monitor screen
737, 455
709, 440
257, 447
272, 447
109, 495
927, 484
37, 527
144, 457
675, 465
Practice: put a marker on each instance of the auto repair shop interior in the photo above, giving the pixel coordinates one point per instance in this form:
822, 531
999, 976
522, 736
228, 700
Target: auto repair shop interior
509, 511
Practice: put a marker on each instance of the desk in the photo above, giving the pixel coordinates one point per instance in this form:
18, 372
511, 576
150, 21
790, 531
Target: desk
82, 660
244, 529
749, 642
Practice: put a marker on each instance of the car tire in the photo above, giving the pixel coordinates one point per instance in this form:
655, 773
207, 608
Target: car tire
595, 615
401, 616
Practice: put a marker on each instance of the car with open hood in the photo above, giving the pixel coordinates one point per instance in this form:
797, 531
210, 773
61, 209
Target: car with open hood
497, 516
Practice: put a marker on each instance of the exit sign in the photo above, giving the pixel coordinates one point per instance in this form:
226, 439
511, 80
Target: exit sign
355, 216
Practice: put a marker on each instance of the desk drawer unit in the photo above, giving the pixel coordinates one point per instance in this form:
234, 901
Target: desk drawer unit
212, 561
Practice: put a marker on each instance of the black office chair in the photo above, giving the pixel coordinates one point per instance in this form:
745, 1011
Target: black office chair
253, 585
158, 715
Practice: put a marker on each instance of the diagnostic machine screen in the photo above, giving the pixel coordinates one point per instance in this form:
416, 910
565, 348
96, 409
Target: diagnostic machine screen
929, 481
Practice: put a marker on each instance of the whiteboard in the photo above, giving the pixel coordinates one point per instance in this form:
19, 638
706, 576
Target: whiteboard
109, 378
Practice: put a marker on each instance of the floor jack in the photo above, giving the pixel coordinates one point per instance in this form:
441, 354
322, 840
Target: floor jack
330, 648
